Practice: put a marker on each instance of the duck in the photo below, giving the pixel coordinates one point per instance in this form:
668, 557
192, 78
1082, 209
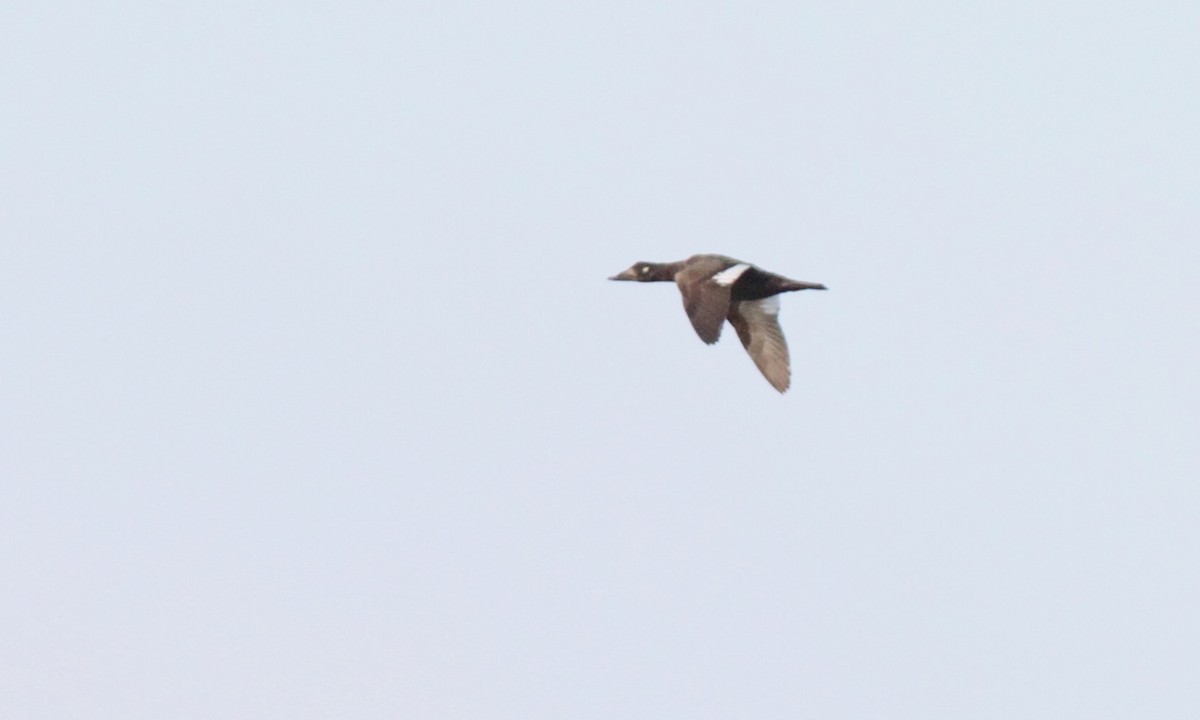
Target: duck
717, 288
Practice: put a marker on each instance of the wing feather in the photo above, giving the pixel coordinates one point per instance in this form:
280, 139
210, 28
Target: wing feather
706, 301
757, 325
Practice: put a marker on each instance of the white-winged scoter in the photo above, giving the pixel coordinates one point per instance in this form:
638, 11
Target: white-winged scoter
717, 288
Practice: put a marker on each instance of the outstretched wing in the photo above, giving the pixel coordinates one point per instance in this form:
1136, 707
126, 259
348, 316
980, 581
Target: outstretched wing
705, 284
757, 324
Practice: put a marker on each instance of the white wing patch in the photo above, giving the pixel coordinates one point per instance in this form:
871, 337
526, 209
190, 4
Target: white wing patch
730, 275
768, 306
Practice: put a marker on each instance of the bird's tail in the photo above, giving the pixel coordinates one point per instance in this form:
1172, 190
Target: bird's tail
801, 285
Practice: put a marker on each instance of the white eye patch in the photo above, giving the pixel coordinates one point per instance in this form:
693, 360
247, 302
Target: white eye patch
730, 275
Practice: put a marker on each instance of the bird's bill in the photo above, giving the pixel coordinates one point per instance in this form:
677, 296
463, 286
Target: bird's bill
630, 274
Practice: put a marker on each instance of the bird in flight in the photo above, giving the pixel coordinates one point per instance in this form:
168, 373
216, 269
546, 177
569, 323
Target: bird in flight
717, 288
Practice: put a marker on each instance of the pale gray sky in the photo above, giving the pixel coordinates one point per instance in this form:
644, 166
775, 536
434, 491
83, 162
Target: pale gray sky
315, 402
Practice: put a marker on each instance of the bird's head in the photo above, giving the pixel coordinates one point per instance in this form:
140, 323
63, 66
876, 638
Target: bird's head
645, 272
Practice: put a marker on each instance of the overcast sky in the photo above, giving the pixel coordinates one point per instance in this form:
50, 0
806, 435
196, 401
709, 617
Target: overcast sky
315, 401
